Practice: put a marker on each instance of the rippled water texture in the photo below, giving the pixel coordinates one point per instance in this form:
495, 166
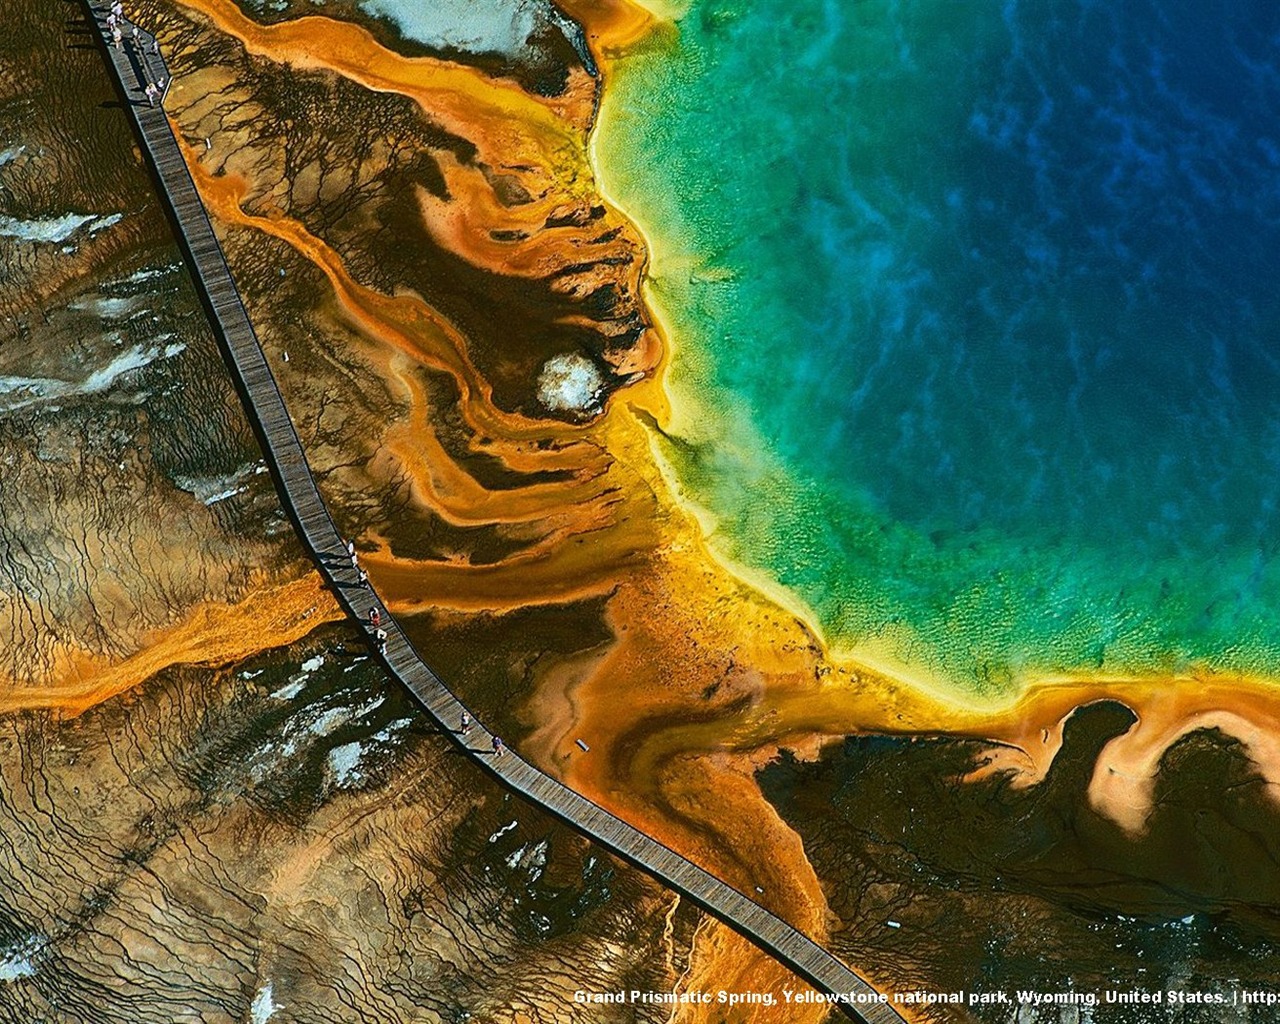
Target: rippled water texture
975, 319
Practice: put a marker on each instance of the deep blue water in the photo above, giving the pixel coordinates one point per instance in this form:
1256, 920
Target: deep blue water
999, 295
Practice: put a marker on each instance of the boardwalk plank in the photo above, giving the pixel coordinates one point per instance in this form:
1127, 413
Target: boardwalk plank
302, 500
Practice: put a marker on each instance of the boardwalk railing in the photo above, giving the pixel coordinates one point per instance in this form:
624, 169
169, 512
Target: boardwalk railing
135, 62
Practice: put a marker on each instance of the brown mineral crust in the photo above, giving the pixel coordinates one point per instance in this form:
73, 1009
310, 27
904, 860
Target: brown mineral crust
480, 200
542, 68
134, 512
984, 886
170, 857
284, 820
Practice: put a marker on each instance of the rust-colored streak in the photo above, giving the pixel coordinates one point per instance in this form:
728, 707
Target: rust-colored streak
212, 634
706, 678
438, 483
455, 95
580, 561
1167, 709
404, 322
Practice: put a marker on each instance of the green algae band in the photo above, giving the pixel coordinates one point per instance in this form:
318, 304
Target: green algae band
975, 319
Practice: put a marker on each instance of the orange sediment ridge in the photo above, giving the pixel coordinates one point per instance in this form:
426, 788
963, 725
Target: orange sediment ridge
610, 25
597, 546
404, 322
454, 95
212, 634
711, 671
1167, 709
455, 495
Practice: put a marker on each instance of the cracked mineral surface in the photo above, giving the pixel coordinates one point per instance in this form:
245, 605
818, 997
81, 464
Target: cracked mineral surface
135, 513
289, 825
213, 807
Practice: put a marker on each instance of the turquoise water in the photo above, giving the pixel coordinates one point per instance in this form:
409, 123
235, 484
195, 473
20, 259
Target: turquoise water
975, 312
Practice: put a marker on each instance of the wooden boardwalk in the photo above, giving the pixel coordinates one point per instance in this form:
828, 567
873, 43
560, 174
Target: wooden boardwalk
134, 64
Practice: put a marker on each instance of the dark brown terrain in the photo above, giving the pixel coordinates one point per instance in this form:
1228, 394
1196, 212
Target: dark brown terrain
212, 805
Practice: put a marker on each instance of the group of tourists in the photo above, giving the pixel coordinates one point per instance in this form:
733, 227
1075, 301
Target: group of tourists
361, 575
464, 727
115, 19
375, 616
116, 26
380, 638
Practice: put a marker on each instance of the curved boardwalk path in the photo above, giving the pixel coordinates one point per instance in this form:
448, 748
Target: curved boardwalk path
134, 64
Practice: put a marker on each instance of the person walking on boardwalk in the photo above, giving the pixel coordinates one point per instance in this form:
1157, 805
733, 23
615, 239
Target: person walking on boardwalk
375, 616
151, 91
464, 723
497, 746
111, 22
117, 9
116, 37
